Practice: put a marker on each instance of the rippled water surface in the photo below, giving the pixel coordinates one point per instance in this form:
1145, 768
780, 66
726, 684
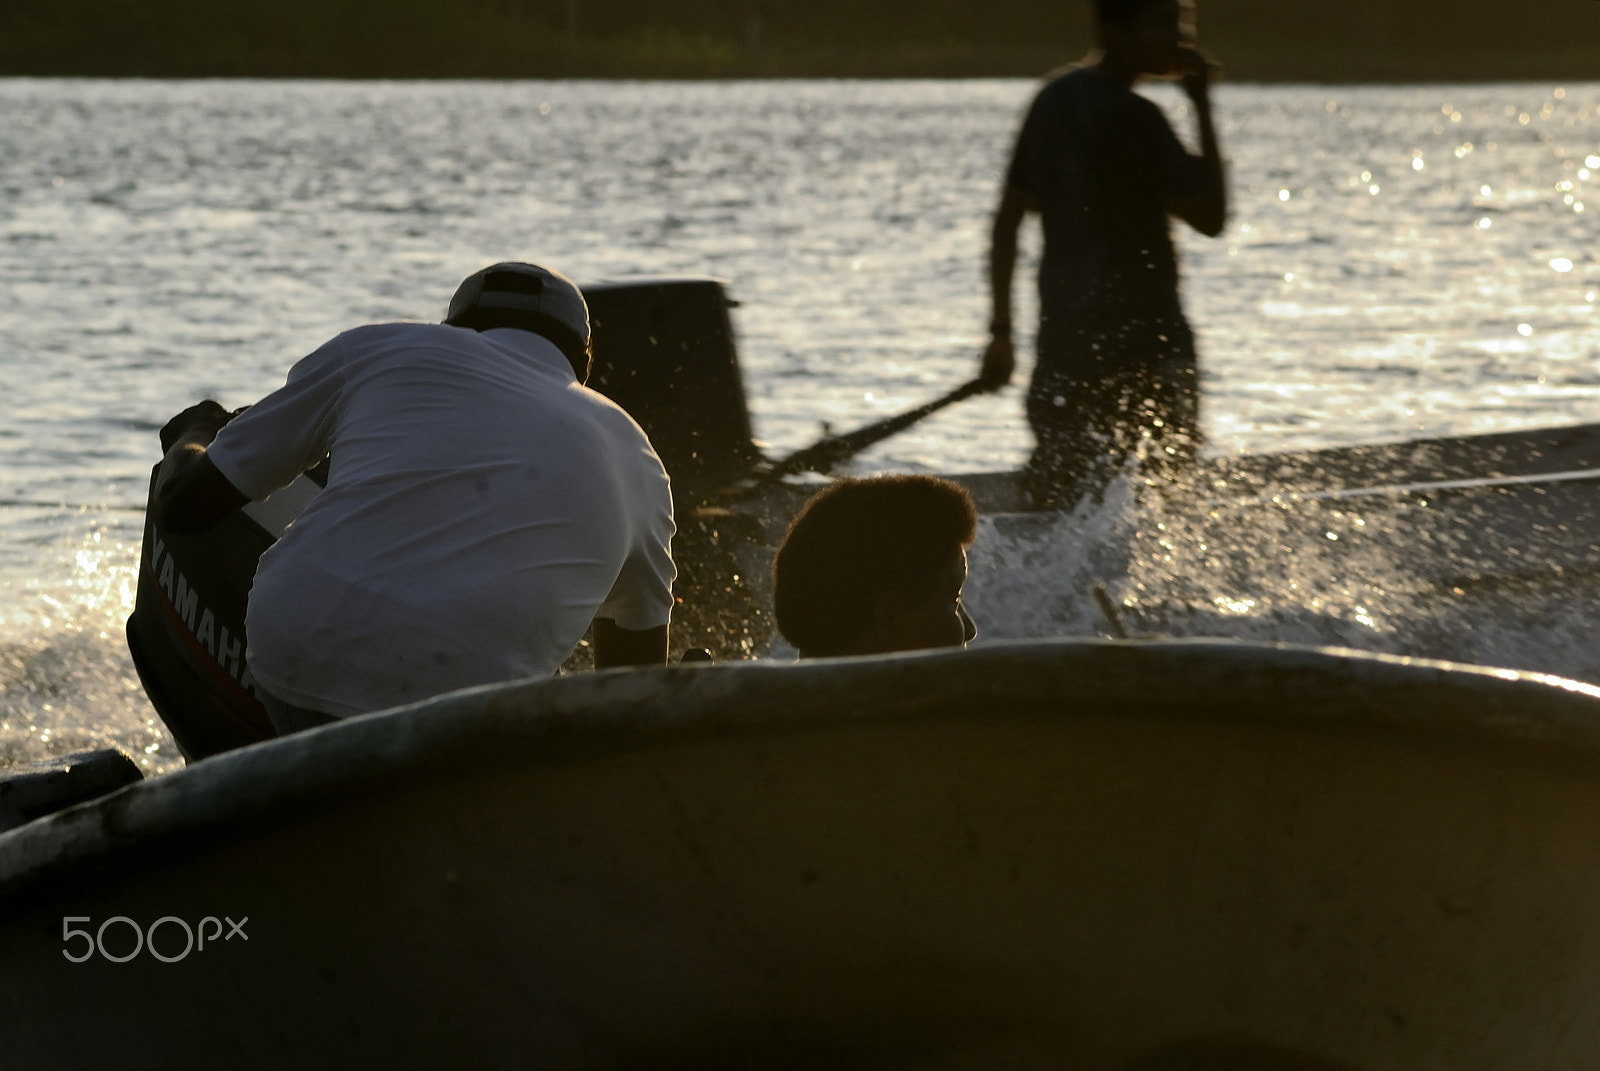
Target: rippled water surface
1400, 261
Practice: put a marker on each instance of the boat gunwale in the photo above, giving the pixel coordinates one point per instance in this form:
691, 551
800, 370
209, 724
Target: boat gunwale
1523, 716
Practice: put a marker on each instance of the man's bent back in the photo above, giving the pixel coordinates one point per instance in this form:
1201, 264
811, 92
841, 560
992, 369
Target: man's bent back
483, 507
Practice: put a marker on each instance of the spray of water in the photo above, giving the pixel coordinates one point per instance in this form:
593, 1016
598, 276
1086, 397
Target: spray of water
66, 681
1390, 573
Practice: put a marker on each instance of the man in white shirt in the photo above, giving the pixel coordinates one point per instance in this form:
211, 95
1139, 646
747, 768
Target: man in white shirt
483, 506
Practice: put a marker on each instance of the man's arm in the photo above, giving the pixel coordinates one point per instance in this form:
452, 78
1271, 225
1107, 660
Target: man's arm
642, 590
615, 646
191, 495
999, 357
1206, 212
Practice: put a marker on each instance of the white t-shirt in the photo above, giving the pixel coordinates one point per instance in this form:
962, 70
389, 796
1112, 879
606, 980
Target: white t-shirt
483, 508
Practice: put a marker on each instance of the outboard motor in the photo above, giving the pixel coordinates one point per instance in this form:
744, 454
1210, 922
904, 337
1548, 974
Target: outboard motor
664, 351
186, 632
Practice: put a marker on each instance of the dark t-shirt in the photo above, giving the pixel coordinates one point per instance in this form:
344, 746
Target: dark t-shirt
1100, 164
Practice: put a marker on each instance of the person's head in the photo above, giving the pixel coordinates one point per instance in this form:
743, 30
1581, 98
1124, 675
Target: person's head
876, 565
1144, 36
528, 298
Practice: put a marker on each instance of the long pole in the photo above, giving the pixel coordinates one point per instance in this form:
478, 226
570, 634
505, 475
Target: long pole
833, 449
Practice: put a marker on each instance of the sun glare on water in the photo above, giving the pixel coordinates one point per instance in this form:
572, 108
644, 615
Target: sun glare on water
67, 682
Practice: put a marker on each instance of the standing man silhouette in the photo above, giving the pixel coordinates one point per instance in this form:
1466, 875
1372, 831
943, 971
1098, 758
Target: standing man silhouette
1116, 361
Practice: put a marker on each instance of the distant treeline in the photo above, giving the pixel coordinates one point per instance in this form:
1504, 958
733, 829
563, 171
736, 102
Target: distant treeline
1355, 40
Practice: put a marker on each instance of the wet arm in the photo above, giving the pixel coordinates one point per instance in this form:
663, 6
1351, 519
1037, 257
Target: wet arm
615, 646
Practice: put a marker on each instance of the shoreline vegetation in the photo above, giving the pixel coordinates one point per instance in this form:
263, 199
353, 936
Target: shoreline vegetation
1362, 41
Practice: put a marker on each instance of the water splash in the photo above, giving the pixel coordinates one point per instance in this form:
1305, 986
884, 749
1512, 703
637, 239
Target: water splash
1383, 575
67, 682
1030, 574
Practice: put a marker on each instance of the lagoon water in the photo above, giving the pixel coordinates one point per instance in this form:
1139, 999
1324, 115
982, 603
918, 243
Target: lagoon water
1400, 262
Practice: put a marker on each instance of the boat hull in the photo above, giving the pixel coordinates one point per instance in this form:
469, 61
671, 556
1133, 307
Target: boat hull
1080, 854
